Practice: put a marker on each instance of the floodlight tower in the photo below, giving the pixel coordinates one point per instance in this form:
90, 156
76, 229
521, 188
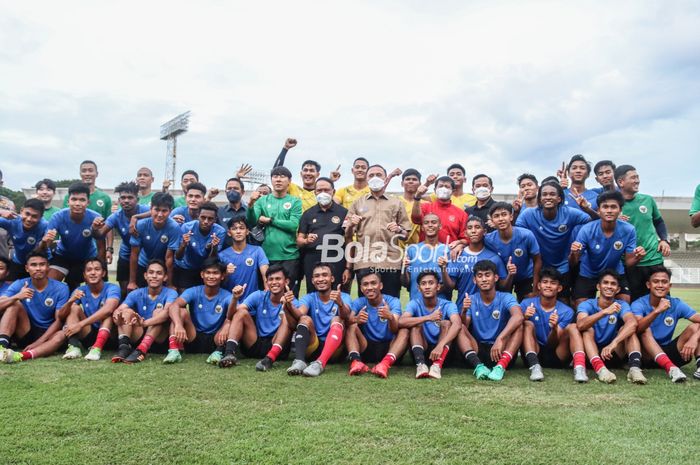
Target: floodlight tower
169, 132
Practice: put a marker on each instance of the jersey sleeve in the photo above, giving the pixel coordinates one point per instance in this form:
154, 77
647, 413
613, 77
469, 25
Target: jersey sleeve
306, 301
578, 217
523, 219
131, 299
585, 308
412, 308
113, 292
695, 206
111, 220
304, 222
189, 295
630, 240
14, 288
174, 238
655, 213
135, 239
509, 301
85, 290
346, 298
638, 307
531, 242
448, 310
683, 309
624, 308
395, 307
261, 257
171, 296
62, 295
253, 302
5, 224
566, 316
500, 268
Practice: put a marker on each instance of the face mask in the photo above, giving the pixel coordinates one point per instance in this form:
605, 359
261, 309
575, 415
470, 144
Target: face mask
233, 196
324, 199
375, 184
482, 193
443, 193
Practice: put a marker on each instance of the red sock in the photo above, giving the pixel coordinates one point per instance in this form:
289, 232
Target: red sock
172, 343
579, 359
505, 359
27, 355
274, 352
180, 346
388, 359
333, 341
597, 364
664, 362
443, 356
145, 343
101, 339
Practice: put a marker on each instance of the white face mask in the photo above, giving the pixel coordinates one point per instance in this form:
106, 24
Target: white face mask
443, 193
324, 199
482, 193
376, 184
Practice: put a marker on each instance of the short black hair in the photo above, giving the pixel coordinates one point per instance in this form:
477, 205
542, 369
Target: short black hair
658, 269
238, 180
609, 272
236, 219
457, 166
316, 164
550, 179
322, 265
162, 199
213, 262
481, 175
281, 171
377, 165
94, 259
579, 157
411, 172
211, 206
611, 195
425, 273
328, 180
128, 188
88, 162
156, 261
37, 253
6, 261
35, 204
501, 206
445, 179
525, 176
551, 273
603, 163
360, 159
192, 172
197, 186
46, 182
484, 265
79, 188
276, 268
556, 185
476, 219
363, 273
622, 170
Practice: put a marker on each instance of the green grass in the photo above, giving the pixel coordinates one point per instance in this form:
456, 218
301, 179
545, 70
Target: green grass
55, 412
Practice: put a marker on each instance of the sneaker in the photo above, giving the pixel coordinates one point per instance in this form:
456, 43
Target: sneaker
72, 353
357, 368
264, 365
381, 370
297, 368
606, 376
215, 357
122, 353
696, 375
580, 375
536, 373
173, 356
422, 371
497, 373
93, 355
481, 372
314, 369
676, 375
435, 371
228, 361
135, 357
635, 375
10, 356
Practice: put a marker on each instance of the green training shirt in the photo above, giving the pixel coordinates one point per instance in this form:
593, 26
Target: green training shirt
99, 202
280, 235
642, 212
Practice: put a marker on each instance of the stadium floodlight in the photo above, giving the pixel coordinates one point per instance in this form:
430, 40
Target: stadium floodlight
169, 132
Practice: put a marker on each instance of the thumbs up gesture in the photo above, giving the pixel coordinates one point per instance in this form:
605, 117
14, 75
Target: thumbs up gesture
511, 268
25, 293
530, 311
383, 310
239, 290
466, 303
336, 295
362, 316
288, 296
553, 318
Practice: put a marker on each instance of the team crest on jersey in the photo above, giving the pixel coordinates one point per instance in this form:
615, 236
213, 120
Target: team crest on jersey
334, 310
562, 228
159, 305
518, 252
287, 205
335, 220
249, 261
643, 209
163, 238
617, 245
451, 218
86, 233
48, 302
612, 319
218, 309
668, 321
496, 314
100, 203
31, 240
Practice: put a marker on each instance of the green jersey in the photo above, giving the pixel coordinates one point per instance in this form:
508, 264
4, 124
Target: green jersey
695, 206
146, 199
99, 202
48, 212
180, 202
642, 212
281, 233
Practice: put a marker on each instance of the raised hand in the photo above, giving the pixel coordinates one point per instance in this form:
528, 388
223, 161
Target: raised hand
77, 295
212, 193
187, 237
362, 316
215, 240
422, 189
49, 237
239, 290
25, 293
383, 311
664, 304
639, 252
290, 143
243, 171
576, 247
311, 238
288, 296
466, 303
97, 223
336, 295
511, 267
553, 318
530, 311
614, 308
436, 315
230, 268
179, 219
335, 174
430, 180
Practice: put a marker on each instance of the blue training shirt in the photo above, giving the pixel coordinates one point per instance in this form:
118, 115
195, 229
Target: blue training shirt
91, 304
461, 270
541, 317
489, 320
605, 328
42, 307
184, 211
376, 329
24, 241
522, 248
196, 251
267, 315
140, 301
589, 194
431, 329
208, 314
599, 252
119, 222
247, 262
76, 238
663, 327
155, 242
423, 257
322, 313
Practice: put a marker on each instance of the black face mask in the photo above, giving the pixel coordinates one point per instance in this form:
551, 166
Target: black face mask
233, 196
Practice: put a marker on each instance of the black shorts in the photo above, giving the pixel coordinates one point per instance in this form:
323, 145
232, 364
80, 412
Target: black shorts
140, 278
16, 271
73, 269
585, 288
261, 347
89, 340
565, 287
615, 362
122, 270
484, 353
375, 351
184, 278
548, 358
32, 335
523, 288
671, 349
202, 344
637, 277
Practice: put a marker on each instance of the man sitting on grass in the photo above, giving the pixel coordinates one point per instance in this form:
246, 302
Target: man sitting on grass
657, 315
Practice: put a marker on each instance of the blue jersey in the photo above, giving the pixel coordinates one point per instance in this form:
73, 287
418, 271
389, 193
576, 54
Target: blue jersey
541, 317
247, 262
599, 252
431, 329
376, 329
155, 242
589, 194
605, 328
461, 270
522, 247
196, 251
119, 222
184, 211
42, 307
322, 313
208, 314
139, 301
3, 286
76, 238
267, 316
489, 320
24, 240
663, 327
554, 237
91, 304
423, 257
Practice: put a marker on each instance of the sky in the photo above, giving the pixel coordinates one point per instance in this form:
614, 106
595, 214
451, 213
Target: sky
500, 87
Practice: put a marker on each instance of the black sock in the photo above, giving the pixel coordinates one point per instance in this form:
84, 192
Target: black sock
531, 359
354, 356
124, 340
472, 359
4, 340
697, 363
418, 354
301, 342
74, 341
231, 347
220, 348
635, 360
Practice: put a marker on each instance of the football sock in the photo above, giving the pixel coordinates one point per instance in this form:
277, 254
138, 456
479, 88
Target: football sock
389, 359
145, 343
597, 364
354, 356
442, 357
301, 342
697, 363
27, 355
418, 354
531, 359
231, 347
74, 341
220, 348
664, 362
635, 360
579, 359
124, 339
505, 359
101, 339
274, 352
333, 341
4, 340
172, 343
472, 359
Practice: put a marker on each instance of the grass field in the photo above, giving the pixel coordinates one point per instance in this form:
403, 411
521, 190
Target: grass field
58, 412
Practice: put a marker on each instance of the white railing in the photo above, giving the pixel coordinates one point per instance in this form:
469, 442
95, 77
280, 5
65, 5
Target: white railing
685, 275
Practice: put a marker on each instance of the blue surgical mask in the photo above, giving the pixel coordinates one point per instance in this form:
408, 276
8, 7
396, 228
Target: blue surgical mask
233, 196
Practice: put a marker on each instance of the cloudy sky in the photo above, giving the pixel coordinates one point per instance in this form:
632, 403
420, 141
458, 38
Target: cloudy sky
501, 87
